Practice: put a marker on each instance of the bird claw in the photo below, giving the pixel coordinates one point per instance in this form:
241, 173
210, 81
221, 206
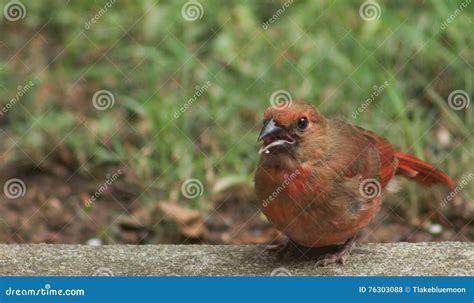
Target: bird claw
285, 250
336, 258
324, 255
339, 257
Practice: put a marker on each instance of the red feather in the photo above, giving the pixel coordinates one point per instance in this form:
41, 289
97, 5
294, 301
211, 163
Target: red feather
404, 164
420, 171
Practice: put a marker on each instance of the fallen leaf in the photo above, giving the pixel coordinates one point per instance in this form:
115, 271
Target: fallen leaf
190, 221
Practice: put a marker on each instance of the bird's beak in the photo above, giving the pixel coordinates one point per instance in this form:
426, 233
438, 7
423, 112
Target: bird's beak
269, 129
276, 135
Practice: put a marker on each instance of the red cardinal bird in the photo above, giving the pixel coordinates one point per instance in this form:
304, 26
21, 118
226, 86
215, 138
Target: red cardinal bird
320, 180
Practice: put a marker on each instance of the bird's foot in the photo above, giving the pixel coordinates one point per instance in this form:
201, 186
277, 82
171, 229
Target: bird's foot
338, 257
323, 255
286, 249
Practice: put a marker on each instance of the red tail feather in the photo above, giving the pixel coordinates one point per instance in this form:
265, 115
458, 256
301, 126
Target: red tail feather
422, 172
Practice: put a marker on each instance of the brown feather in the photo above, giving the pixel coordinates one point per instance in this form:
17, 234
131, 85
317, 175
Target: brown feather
323, 203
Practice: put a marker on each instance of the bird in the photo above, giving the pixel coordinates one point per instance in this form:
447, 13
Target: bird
320, 180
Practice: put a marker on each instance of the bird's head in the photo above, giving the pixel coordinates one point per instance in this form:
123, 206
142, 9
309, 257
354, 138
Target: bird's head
293, 131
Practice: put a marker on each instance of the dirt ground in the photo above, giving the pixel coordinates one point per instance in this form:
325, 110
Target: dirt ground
55, 210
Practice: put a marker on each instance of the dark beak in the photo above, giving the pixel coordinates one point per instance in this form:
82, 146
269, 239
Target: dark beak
269, 129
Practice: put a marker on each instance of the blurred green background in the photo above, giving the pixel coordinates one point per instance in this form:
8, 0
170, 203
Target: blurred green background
164, 128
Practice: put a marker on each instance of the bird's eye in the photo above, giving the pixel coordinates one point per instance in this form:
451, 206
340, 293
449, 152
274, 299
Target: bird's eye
302, 123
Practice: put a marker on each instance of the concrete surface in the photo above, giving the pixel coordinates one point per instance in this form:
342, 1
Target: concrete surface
437, 258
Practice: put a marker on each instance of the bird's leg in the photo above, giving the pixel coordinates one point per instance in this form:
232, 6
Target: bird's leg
288, 248
339, 256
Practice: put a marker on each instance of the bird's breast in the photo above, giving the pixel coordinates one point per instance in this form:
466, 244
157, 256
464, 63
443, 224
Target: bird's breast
306, 206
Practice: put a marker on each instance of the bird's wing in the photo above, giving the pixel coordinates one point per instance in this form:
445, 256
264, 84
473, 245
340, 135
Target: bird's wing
386, 152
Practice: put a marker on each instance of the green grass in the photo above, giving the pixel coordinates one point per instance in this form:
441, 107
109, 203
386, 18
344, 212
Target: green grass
151, 59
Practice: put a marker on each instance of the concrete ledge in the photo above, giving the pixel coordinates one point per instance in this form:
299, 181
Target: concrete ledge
437, 258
